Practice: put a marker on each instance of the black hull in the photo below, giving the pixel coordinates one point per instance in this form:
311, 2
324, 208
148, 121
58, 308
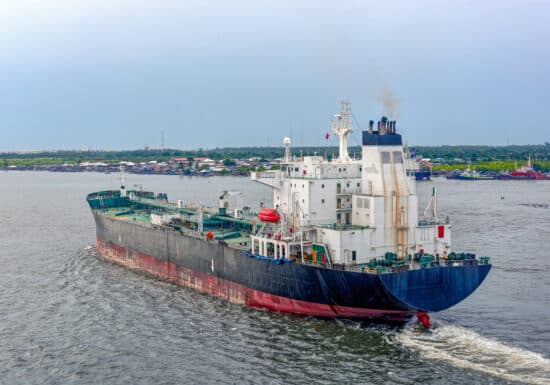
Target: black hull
226, 272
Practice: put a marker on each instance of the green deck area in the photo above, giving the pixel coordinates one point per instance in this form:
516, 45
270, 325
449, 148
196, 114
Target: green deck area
128, 214
232, 231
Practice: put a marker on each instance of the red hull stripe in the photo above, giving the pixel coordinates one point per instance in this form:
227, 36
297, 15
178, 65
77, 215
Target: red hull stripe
232, 291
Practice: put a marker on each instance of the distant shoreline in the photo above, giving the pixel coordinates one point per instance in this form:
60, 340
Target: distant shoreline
116, 171
240, 161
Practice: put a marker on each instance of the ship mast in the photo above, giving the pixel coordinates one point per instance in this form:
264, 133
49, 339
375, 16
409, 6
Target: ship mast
286, 142
341, 125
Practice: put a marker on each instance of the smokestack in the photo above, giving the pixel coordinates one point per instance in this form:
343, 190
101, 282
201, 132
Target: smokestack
394, 128
384, 125
378, 127
371, 123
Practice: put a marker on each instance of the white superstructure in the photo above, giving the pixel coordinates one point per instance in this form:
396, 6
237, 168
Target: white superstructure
355, 210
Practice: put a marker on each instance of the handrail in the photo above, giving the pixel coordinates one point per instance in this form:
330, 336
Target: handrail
413, 265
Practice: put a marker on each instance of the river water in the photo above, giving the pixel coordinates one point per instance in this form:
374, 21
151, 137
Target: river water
67, 317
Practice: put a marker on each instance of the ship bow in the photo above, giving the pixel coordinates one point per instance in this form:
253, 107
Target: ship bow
436, 288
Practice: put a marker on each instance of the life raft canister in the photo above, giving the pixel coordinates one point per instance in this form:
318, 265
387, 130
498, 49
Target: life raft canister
269, 215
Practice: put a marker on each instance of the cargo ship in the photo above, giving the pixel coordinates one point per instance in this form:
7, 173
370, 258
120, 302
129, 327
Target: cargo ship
343, 237
526, 172
469, 174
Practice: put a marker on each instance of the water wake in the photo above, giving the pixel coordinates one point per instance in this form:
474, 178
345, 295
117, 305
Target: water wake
466, 349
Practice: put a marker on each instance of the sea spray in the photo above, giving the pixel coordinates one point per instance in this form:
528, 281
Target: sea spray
467, 349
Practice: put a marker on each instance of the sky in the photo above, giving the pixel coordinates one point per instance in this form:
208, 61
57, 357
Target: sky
114, 74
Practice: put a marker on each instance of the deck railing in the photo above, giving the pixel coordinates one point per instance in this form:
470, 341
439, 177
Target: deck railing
364, 268
265, 174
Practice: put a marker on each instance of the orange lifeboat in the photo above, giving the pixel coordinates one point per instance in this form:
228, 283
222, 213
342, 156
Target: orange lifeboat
269, 215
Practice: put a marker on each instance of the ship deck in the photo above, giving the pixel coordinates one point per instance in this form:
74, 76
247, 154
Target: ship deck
207, 223
142, 216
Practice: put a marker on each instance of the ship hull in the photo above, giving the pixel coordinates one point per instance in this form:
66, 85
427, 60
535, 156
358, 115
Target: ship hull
466, 177
214, 268
234, 292
516, 177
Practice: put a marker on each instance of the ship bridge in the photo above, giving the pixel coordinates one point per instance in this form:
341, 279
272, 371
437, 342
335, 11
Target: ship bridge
361, 209
317, 190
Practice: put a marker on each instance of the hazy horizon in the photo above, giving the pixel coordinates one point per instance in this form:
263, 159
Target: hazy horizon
113, 74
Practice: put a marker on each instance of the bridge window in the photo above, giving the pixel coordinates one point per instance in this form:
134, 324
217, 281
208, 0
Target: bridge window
397, 157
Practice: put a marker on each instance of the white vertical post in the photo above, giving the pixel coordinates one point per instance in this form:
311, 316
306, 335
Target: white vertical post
434, 197
262, 247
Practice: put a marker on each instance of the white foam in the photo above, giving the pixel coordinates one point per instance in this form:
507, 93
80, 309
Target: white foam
466, 349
